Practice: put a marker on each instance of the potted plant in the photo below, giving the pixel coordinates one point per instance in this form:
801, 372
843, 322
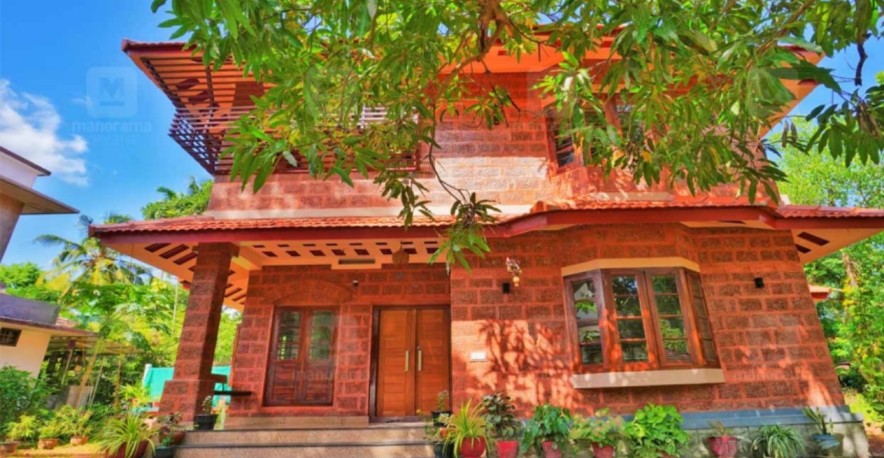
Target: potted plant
825, 441
723, 443
466, 431
8, 447
433, 429
547, 431
75, 423
442, 399
205, 421
24, 430
600, 432
165, 449
502, 423
170, 426
655, 431
126, 437
775, 441
47, 439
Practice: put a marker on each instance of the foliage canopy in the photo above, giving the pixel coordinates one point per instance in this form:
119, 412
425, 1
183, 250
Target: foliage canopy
703, 80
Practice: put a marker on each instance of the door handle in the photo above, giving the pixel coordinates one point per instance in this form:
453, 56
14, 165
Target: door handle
406, 360
420, 359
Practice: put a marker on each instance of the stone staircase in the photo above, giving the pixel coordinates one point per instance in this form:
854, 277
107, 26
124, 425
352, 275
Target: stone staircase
400, 440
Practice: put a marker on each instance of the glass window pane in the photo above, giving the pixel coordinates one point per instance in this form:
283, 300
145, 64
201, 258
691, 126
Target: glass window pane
321, 336
627, 306
631, 329
634, 351
586, 310
672, 328
585, 300
591, 354
664, 284
624, 285
289, 339
677, 350
668, 305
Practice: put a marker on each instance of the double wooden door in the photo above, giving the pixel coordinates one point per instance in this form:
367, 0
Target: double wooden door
413, 360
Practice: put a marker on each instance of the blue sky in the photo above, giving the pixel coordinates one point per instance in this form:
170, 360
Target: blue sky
113, 162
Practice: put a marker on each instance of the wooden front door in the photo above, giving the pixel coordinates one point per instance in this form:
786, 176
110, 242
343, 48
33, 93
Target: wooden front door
413, 360
301, 370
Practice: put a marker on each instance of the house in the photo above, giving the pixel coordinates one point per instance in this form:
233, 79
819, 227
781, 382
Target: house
17, 176
627, 294
26, 329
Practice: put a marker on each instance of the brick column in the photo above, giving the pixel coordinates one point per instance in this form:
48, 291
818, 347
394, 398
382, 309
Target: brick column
192, 380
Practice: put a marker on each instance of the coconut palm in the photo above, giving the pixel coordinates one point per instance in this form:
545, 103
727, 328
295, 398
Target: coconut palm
89, 262
193, 201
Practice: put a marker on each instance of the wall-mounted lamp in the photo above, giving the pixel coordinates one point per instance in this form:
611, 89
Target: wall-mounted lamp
355, 283
759, 282
514, 268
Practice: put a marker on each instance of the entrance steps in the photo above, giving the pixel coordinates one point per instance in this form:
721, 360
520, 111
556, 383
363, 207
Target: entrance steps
399, 440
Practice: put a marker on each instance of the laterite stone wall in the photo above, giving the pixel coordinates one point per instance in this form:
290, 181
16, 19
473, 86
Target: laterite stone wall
770, 341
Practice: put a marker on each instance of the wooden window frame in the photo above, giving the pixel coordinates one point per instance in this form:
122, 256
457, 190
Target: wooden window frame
612, 116
10, 341
307, 313
611, 341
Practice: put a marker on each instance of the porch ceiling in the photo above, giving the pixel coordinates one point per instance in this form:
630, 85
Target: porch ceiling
179, 259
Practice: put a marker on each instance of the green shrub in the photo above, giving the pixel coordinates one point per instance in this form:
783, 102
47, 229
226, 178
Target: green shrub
654, 431
499, 414
25, 429
775, 441
21, 395
74, 422
549, 423
601, 429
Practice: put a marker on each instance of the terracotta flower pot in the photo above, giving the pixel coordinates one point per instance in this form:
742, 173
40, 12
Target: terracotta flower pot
121, 453
724, 446
602, 451
47, 444
178, 437
79, 440
551, 450
507, 449
8, 447
473, 448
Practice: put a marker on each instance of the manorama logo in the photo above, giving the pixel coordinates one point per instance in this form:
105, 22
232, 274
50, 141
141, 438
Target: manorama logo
112, 92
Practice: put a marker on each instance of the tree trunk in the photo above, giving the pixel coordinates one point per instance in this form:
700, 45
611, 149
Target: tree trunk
88, 373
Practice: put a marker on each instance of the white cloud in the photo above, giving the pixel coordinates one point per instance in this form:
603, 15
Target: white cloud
29, 127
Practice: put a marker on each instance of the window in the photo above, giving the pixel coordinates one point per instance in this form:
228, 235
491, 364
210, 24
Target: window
302, 363
640, 319
561, 145
9, 337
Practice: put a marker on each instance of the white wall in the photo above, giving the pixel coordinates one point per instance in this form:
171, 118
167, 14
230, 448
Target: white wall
28, 354
15, 170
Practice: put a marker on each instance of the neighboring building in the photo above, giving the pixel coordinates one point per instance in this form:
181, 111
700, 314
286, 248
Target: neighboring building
26, 328
17, 176
629, 294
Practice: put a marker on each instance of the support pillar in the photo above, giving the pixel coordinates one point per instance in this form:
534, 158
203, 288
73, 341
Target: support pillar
192, 380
